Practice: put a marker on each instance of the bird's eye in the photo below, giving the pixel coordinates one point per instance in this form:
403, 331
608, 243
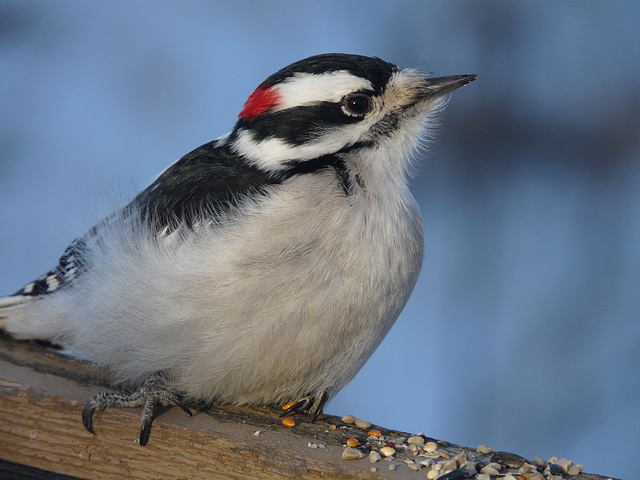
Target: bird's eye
357, 104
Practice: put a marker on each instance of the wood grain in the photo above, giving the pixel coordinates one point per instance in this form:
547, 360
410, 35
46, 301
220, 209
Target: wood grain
42, 394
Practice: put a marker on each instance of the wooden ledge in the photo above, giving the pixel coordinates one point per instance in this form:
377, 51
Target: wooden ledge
42, 394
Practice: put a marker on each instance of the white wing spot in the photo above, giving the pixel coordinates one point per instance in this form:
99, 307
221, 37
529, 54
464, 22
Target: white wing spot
52, 283
70, 273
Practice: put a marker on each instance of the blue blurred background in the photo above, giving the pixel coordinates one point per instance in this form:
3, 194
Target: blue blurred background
523, 332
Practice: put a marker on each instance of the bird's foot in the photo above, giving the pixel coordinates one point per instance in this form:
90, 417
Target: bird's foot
153, 394
304, 405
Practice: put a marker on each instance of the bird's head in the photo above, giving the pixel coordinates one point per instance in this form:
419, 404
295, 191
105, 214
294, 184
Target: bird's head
343, 106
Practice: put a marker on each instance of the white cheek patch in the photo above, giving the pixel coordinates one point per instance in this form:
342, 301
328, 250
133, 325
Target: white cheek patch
305, 89
267, 154
310, 88
272, 154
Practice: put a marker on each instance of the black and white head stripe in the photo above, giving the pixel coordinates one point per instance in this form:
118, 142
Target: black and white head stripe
309, 109
328, 105
322, 78
374, 70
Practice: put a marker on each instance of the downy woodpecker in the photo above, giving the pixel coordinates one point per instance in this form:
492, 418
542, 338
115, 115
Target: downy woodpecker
262, 267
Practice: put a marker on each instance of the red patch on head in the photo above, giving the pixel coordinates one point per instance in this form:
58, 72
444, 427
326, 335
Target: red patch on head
261, 100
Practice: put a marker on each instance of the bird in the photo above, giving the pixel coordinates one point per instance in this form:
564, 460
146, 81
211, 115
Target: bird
263, 267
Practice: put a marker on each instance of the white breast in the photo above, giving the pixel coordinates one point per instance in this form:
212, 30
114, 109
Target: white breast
292, 300
311, 285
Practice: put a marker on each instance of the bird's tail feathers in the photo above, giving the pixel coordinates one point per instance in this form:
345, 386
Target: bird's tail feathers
13, 314
6, 303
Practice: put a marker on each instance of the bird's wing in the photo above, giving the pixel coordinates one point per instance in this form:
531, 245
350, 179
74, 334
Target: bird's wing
203, 182
199, 185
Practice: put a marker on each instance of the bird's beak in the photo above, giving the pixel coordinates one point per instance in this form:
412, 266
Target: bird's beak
435, 87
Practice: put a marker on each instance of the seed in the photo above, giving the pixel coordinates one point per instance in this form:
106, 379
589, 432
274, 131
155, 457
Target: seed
470, 467
362, 423
288, 405
450, 464
352, 442
349, 419
351, 454
555, 470
430, 447
483, 449
455, 475
489, 470
461, 458
374, 433
564, 464
573, 470
288, 422
387, 451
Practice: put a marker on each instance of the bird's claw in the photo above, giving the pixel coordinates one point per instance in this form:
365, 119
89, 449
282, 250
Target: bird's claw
305, 404
151, 395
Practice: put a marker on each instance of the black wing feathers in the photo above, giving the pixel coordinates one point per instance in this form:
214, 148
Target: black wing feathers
204, 181
201, 184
